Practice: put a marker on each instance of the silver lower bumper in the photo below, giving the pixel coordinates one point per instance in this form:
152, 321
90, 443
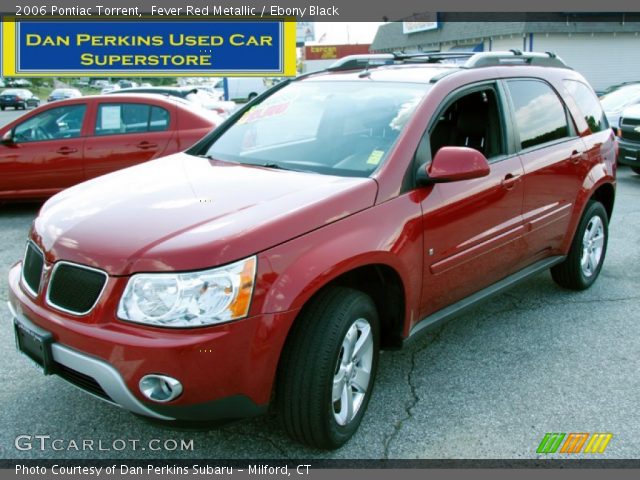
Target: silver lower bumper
104, 374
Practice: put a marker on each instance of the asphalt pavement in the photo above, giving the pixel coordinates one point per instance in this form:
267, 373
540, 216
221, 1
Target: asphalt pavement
489, 384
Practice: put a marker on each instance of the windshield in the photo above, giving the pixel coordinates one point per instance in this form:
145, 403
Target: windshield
336, 128
618, 99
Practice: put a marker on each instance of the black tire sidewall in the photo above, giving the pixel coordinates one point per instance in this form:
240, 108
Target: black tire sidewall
593, 209
341, 433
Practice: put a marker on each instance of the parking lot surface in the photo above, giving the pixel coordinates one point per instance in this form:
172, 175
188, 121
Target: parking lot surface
489, 384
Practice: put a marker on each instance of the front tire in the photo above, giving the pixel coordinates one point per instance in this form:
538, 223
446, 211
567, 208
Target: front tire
586, 256
636, 170
328, 368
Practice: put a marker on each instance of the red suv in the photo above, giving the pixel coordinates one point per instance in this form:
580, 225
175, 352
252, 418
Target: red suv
341, 213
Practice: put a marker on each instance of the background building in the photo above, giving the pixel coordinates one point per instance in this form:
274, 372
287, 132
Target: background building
605, 52
319, 57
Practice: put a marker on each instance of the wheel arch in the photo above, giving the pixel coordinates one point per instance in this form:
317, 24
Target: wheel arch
383, 284
380, 280
598, 185
605, 194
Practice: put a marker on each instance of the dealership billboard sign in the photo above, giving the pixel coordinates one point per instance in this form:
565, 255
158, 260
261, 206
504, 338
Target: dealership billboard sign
149, 48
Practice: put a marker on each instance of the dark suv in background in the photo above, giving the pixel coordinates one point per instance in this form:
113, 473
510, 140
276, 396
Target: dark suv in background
629, 138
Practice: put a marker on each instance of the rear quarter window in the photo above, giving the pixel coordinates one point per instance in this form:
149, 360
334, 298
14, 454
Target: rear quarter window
588, 104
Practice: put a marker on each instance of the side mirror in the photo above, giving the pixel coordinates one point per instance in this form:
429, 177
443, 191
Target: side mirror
7, 138
454, 164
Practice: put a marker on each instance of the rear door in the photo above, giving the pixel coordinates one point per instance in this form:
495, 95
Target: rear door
555, 163
127, 133
46, 154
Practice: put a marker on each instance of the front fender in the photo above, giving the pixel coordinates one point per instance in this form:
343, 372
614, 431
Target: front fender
388, 234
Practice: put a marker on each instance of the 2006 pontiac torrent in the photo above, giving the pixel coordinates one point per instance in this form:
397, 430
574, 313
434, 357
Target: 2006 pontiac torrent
336, 215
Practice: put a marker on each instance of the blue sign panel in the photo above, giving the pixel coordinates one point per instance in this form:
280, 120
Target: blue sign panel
150, 47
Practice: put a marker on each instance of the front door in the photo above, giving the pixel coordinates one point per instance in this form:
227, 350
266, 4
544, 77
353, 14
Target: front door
45, 153
472, 229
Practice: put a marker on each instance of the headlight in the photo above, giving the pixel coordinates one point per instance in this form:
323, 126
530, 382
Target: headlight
189, 299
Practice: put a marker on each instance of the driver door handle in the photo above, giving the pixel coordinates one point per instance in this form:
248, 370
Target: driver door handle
509, 181
145, 145
66, 150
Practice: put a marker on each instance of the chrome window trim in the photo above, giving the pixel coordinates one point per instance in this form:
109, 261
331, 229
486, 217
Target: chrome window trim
77, 265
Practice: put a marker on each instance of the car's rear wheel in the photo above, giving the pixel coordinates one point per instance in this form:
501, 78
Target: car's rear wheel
2, 108
586, 256
328, 368
636, 170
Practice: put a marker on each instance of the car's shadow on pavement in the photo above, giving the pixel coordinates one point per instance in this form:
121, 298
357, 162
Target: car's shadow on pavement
14, 209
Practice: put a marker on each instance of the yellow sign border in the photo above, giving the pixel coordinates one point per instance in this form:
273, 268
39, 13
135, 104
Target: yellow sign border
288, 45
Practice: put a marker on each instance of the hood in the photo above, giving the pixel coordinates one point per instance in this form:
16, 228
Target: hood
631, 112
183, 213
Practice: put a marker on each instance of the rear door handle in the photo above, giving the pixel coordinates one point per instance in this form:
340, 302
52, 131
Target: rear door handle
576, 156
66, 150
145, 145
509, 181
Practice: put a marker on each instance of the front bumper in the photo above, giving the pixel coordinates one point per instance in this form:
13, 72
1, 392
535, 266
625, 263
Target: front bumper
629, 153
227, 371
12, 103
67, 360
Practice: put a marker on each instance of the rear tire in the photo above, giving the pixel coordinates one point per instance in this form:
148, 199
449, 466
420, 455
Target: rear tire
636, 170
328, 368
588, 248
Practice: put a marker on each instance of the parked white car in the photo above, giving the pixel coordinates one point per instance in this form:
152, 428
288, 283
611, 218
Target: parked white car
245, 88
109, 89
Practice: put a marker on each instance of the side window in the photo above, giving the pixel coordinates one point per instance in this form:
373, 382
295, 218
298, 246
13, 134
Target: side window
52, 124
588, 104
471, 121
540, 115
118, 118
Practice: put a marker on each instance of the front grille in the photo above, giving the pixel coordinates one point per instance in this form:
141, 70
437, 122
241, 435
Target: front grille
85, 382
32, 268
74, 288
630, 135
630, 121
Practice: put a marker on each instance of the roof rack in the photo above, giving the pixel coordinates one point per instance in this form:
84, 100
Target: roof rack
473, 59
352, 62
515, 57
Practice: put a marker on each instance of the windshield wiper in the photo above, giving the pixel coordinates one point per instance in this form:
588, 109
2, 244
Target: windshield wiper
278, 166
273, 165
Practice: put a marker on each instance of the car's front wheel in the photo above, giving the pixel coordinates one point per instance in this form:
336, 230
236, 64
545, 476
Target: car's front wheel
586, 256
636, 170
328, 368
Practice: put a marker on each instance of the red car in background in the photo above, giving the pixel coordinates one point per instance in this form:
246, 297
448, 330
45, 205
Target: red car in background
70, 141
